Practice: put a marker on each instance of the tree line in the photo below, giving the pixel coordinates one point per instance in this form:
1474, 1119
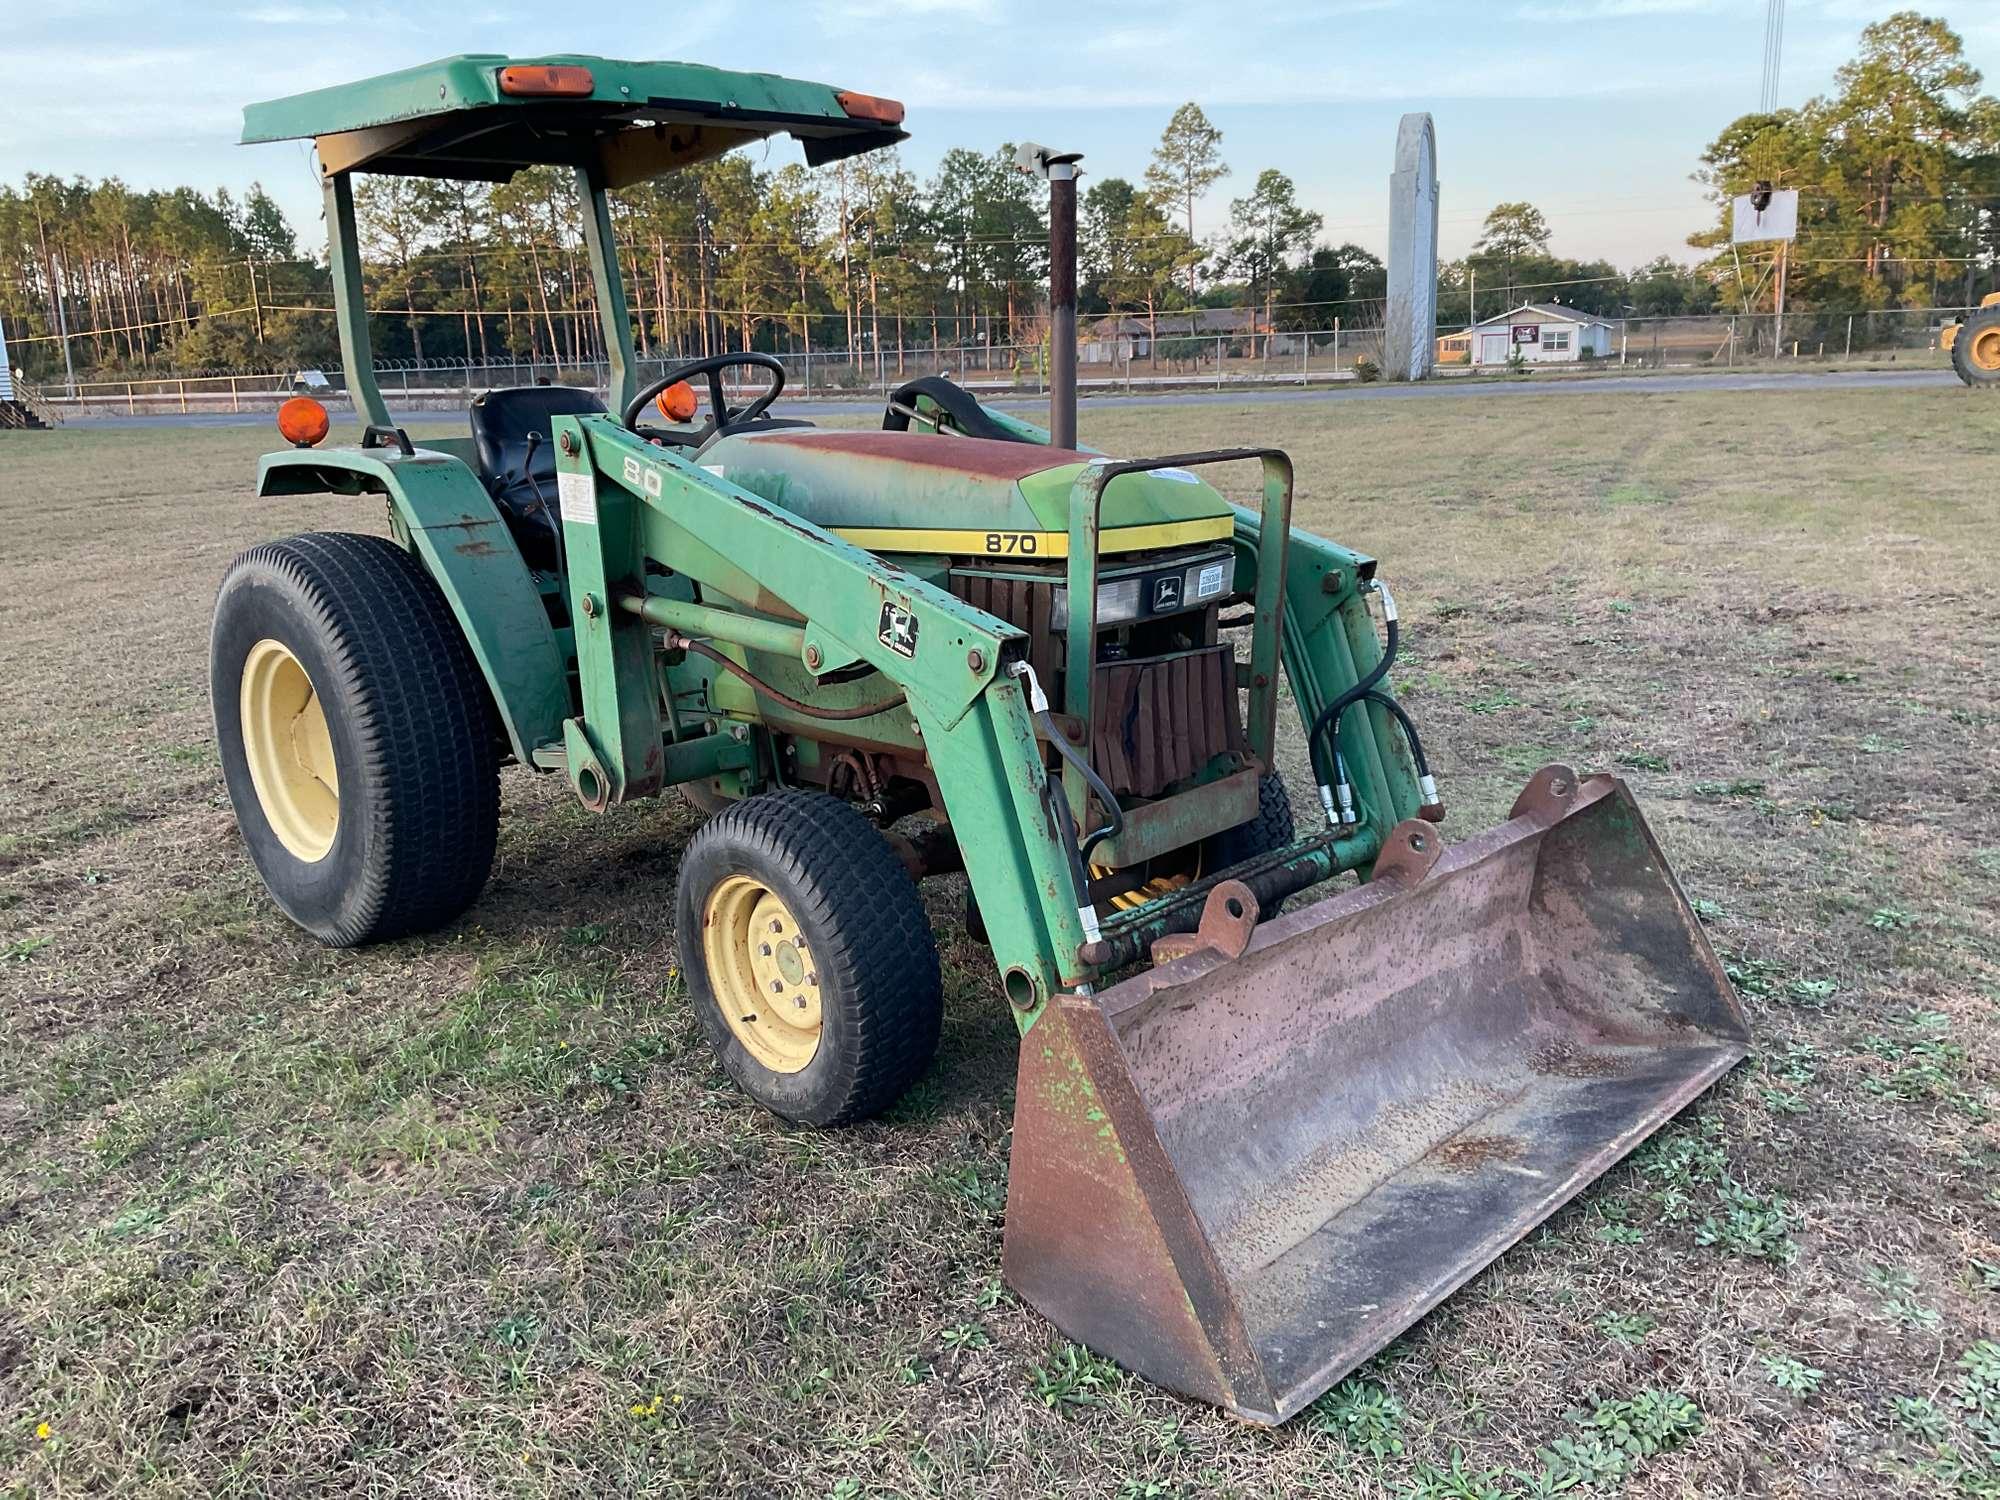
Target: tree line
1899, 175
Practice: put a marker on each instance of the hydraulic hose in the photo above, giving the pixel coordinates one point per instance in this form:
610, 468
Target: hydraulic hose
1079, 853
784, 700
1432, 810
1323, 742
1318, 737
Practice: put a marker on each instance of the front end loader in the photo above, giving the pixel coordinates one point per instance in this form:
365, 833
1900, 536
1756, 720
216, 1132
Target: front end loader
1289, 1074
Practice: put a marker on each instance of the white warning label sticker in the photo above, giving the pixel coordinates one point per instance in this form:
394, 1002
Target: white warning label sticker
577, 496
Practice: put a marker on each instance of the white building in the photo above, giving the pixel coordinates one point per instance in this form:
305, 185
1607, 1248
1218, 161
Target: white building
1543, 333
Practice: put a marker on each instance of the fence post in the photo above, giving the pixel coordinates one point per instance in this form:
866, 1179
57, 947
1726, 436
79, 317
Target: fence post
1850, 337
234, 403
1336, 345
131, 407
1218, 361
184, 396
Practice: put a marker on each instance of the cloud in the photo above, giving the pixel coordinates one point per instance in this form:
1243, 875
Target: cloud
296, 15
1612, 10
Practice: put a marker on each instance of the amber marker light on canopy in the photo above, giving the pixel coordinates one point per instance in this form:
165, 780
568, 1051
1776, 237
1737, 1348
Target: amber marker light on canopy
302, 422
547, 80
869, 107
677, 402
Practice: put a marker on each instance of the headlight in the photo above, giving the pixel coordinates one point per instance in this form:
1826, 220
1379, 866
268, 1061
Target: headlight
1117, 603
1165, 591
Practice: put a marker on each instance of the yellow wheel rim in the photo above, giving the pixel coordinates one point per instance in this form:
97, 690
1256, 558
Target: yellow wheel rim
1985, 349
289, 750
763, 973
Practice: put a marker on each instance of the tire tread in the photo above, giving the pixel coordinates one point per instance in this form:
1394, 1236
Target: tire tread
883, 950
425, 724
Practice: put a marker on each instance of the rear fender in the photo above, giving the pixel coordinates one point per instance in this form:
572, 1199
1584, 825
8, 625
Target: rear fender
442, 513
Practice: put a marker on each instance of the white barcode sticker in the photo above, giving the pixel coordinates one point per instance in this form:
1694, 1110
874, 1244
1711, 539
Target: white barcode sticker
1210, 581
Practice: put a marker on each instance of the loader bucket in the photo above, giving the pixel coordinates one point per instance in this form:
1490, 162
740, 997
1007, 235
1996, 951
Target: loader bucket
1242, 1177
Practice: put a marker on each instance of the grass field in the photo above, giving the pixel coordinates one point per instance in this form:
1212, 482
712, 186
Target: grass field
477, 1215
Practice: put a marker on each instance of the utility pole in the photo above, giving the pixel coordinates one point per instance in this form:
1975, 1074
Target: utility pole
1778, 328
257, 306
1058, 169
62, 328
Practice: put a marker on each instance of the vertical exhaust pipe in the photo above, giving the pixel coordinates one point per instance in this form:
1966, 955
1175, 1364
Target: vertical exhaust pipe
1059, 170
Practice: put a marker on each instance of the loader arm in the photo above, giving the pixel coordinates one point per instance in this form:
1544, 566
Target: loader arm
624, 500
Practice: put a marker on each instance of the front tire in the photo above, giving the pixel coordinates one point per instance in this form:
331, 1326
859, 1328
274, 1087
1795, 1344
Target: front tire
808, 957
1975, 353
356, 737
1271, 829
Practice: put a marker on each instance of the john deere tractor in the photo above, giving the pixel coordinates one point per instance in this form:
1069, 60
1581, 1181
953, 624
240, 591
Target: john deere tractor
1250, 1144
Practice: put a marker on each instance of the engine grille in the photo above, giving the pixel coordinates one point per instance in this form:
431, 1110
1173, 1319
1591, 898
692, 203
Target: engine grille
1156, 720
1160, 721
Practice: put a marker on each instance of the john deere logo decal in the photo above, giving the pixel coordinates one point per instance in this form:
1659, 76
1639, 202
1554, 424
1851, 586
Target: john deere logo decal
1166, 593
899, 629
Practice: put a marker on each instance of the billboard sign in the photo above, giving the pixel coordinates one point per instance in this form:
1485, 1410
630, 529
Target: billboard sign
1527, 333
1778, 219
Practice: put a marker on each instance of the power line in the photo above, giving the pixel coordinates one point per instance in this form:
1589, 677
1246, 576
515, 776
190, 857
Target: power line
1774, 52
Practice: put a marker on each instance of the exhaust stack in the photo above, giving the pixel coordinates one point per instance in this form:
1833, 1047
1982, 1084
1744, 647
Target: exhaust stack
1059, 169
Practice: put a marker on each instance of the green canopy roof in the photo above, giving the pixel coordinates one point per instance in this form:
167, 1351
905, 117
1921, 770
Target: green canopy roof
452, 118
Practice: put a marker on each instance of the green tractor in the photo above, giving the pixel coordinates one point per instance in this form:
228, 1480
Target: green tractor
1251, 1145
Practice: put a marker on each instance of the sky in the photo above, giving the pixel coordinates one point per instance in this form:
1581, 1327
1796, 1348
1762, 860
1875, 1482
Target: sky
1596, 111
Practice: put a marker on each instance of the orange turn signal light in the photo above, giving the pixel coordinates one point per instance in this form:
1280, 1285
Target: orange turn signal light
870, 107
302, 422
677, 402
548, 80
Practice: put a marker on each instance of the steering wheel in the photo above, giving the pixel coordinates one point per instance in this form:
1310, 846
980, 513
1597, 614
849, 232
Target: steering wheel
721, 416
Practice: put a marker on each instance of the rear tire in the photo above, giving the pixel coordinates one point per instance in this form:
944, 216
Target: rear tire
1975, 353
356, 737
808, 957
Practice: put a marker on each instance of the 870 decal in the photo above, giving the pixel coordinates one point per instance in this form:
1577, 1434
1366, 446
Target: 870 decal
1013, 543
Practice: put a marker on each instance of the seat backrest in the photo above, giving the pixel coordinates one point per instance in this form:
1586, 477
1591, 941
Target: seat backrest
955, 401
502, 420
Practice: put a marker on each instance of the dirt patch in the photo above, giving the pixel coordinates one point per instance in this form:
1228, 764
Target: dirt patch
1471, 1152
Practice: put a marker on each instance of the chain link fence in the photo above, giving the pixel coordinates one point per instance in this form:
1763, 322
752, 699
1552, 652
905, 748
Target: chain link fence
1110, 361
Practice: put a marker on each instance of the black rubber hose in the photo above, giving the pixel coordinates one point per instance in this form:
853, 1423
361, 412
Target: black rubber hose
1409, 729
1076, 758
1329, 717
785, 700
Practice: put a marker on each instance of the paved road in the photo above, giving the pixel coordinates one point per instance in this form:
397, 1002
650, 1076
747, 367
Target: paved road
1593, 385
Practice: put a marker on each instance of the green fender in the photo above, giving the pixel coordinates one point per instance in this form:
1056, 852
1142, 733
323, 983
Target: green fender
443, 514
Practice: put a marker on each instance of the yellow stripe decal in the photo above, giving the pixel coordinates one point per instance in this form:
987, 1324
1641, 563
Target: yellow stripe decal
1034, 543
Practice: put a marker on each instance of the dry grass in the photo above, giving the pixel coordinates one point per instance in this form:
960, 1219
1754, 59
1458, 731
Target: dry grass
476, 1215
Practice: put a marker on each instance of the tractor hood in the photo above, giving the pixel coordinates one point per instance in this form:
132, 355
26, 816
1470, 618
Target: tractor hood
926, 492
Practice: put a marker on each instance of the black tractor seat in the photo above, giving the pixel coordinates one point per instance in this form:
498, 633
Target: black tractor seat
960, 408
518, 473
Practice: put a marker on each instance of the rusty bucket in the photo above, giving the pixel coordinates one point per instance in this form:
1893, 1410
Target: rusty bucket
1240, 1177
